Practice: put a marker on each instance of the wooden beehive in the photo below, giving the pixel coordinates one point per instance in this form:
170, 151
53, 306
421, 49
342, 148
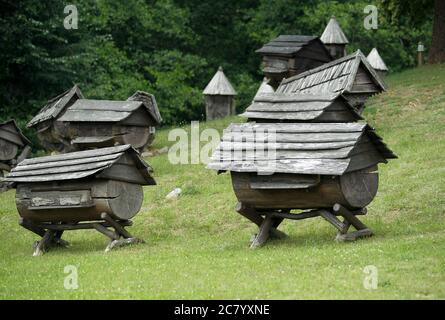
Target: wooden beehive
52, 133
219, 97
377, 63
103, 123
282, 107
279, 167
14, 148
289, 55
58, 193
334, 39
352, 76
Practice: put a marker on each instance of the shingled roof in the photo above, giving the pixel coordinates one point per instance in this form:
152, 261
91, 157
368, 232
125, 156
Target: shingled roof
87, 110
265, 88
150, 102
333, 77
333, 34
376, 61
306, 148
76, 165
56, 106
219, 85
10, 131
301, 107
286, 45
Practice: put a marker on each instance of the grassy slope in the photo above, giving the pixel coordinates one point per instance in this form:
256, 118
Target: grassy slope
197, 247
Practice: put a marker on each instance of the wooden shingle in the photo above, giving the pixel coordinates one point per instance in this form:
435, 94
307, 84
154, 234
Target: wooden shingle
282, 107
305, 148
351, 76
81, 165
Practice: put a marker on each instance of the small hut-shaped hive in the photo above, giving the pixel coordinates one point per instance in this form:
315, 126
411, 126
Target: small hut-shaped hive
377, 63
102, 187
282, 107
51, 133
219, 97
334, 39
302, 166
289, 55
352, 76
103, 123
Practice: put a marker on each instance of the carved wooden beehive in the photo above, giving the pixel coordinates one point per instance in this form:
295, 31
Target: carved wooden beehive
57, 193
103, 123
69, 122
302, 166
303, 149
289, 55
352, 76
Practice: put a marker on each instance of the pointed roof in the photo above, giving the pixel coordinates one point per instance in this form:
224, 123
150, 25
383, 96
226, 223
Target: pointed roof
376, 61
219, 85
333, 34
336, 76
56, 105
305, 148
265, 88
77, 165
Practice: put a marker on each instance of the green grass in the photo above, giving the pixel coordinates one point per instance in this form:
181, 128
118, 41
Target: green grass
197, 246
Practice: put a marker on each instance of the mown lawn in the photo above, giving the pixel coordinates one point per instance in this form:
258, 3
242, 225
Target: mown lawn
197, 246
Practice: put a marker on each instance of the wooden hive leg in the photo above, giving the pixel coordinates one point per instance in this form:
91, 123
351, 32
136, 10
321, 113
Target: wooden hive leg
264, 233
58, 241
350, 219
44, 244
119, 232
252, 215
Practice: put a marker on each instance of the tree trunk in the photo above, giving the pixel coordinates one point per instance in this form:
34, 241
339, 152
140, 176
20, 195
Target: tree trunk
437, 52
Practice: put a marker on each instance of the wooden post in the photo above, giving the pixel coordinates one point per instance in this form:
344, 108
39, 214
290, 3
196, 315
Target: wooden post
263, 235
420, 50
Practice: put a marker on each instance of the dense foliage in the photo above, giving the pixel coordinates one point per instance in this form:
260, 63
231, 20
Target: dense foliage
170, 47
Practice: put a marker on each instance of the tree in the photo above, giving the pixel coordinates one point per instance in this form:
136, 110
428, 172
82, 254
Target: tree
437, 52
417, 12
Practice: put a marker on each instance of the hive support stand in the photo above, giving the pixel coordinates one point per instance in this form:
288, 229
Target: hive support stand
51, 233
272, 219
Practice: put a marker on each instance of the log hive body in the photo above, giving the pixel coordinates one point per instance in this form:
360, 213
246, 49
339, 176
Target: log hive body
81, 186
354, 190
